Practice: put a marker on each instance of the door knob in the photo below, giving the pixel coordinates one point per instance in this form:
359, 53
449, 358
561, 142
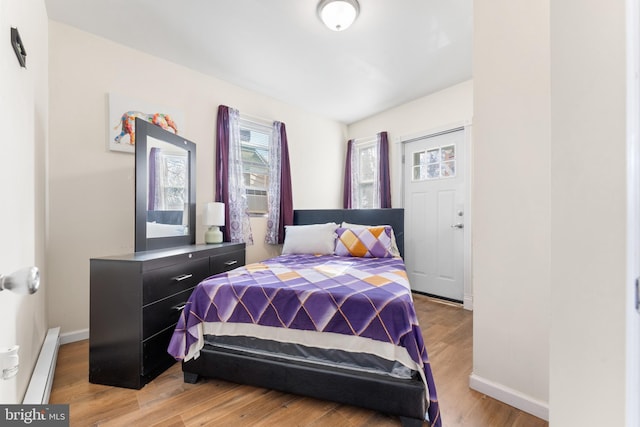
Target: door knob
458, 225
25, 281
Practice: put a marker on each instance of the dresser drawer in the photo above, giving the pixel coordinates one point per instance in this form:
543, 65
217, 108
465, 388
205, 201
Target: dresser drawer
154, 353
162, 314
226, 262
162, 282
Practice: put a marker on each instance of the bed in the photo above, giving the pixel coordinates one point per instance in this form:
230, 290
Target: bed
162, 223
331, 318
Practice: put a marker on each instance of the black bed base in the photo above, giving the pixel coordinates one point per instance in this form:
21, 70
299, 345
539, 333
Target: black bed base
401, 397
405, 398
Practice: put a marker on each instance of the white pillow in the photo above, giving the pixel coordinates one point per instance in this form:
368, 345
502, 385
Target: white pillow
316, 239
394, 246
155, 229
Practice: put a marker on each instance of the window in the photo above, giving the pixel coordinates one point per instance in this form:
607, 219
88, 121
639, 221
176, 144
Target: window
173, 181
168, 180
366, 175
435, 163
254, 146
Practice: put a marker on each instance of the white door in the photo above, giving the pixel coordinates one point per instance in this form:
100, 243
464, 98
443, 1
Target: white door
434, 202
17, 186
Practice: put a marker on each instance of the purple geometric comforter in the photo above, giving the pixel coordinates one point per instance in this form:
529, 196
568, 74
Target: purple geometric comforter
362, 297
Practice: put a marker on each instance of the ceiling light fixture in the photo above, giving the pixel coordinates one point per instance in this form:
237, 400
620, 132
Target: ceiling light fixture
338, 15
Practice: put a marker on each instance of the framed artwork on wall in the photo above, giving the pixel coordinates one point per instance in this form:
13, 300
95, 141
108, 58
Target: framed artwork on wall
123, 111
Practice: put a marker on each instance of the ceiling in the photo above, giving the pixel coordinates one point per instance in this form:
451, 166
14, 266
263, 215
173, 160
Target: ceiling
396, 51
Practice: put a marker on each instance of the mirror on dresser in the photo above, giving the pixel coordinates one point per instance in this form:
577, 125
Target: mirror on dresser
136, 298
165, 189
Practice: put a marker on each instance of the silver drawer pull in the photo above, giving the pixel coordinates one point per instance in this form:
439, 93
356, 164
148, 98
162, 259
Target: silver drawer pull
183, 277
232, 262
179, 307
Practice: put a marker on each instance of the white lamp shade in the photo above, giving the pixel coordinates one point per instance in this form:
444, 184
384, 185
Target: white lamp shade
214, 214
338, 15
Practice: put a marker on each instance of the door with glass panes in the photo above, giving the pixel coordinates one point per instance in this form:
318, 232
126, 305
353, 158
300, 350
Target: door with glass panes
435, 208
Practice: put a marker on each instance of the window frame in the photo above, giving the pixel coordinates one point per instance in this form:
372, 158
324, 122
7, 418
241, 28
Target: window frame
427, 166
166, 159
358, 182
252, 125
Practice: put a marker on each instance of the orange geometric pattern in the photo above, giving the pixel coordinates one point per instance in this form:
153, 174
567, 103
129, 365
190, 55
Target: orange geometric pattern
366, 242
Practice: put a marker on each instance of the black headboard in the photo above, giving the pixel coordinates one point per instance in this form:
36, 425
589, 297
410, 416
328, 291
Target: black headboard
165, 217
393, 217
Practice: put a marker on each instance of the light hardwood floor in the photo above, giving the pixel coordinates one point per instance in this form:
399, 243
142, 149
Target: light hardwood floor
168, 401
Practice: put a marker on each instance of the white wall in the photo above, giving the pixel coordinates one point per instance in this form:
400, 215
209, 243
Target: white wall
92, 189
550, 242
632, 375
511, 202
453, 105
24, 115
588, 212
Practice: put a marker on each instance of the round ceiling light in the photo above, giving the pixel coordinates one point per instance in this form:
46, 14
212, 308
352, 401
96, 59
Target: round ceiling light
338, 15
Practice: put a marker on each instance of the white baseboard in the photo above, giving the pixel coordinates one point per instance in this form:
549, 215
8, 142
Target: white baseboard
510, 396
467, 303
69, 337
39, 387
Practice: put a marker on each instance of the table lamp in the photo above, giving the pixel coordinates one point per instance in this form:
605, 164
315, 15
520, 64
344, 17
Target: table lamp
213, 218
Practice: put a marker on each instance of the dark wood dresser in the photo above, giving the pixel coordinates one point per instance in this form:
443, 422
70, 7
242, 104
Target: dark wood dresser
135, 303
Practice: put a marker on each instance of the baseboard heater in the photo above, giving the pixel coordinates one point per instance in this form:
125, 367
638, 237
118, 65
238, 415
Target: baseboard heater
39, 387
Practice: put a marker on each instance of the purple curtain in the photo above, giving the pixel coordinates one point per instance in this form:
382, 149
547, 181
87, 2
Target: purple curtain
286, 194
383, 174
346, 200
153, 178
222, 166
222, 174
